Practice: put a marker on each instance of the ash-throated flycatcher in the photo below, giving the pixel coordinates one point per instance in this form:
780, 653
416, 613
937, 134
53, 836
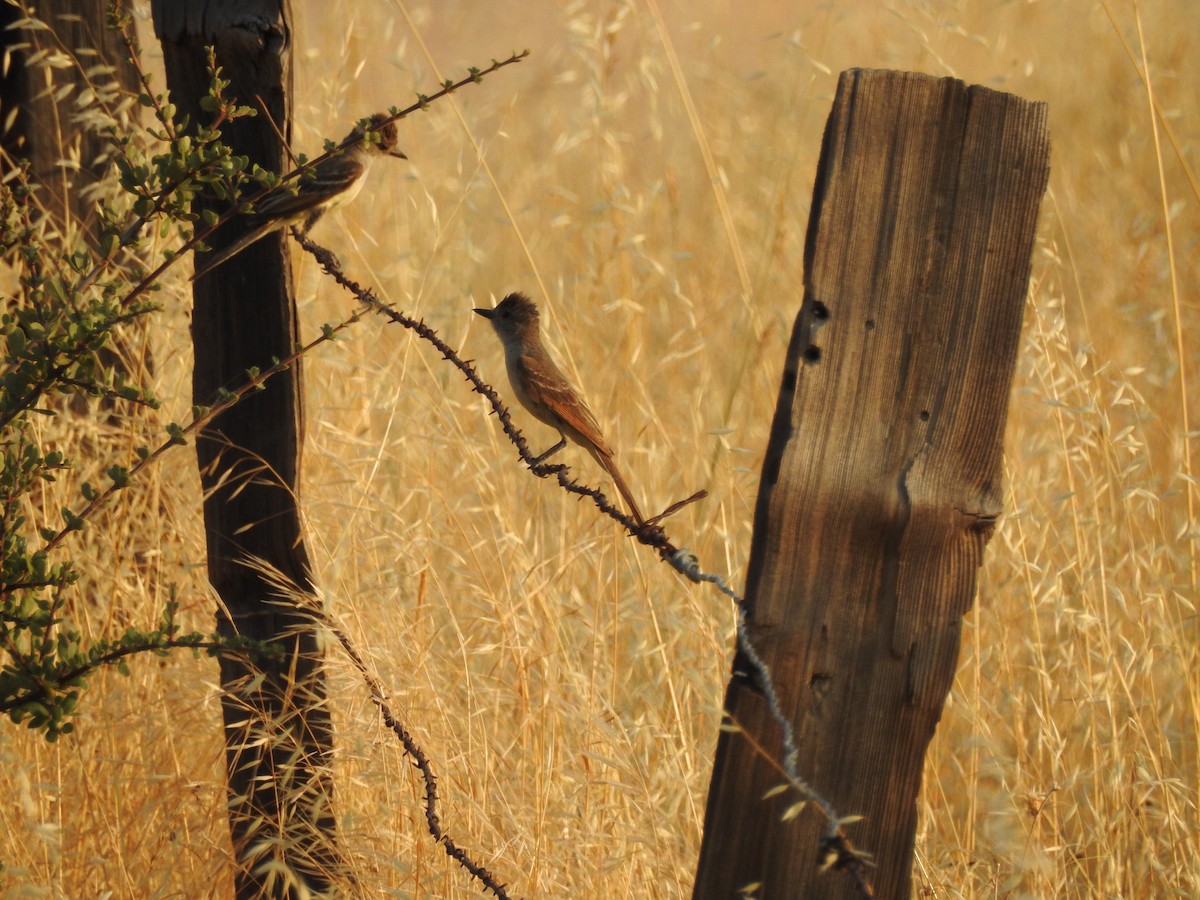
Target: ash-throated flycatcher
328, 184
545, 392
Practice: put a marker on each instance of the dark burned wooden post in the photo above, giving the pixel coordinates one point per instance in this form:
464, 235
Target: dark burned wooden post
278, 735
882, 478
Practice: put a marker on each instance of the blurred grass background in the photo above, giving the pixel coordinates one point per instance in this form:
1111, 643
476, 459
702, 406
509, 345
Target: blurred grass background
645, 175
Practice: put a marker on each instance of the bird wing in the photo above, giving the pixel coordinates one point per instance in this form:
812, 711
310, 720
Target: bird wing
291, 203
327, 180
549, 390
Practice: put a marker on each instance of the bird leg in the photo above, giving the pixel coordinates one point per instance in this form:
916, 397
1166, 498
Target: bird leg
562, 443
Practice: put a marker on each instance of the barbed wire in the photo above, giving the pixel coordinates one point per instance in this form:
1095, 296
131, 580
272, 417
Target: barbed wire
419, 757
836, 849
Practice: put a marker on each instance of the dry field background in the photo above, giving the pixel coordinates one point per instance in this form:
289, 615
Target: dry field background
645, 175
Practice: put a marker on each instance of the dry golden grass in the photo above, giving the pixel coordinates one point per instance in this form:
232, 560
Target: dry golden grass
566, 685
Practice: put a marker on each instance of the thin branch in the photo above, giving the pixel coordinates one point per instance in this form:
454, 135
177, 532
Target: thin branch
474, 76
62, 680
178, 435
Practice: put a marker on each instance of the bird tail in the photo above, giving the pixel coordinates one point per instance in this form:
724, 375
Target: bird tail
610, 466
212, 260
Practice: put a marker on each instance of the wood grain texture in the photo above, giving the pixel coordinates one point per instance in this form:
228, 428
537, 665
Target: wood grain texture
882, 479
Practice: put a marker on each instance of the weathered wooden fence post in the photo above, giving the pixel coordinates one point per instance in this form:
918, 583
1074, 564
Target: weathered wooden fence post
882, 478
278, 735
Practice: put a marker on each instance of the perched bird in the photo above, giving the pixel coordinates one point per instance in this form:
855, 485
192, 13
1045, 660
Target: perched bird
330, 183
545, 392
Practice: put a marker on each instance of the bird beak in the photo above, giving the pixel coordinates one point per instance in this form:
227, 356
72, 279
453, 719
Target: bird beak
398, 154
486, 313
